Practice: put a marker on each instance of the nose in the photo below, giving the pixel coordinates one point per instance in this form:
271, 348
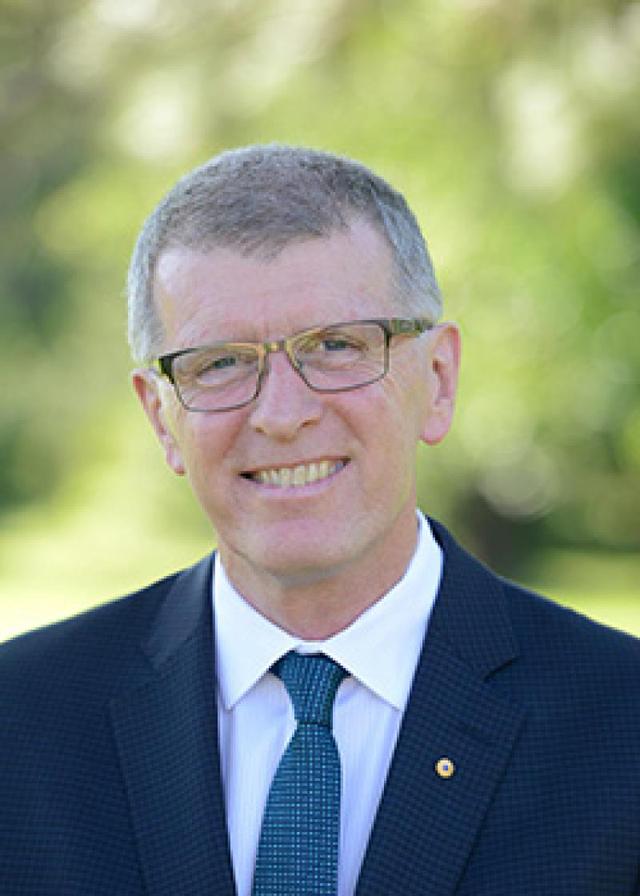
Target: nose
285, 404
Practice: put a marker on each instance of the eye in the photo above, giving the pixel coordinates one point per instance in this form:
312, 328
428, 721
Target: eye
216, 365
337, 343
221, 363
327, 341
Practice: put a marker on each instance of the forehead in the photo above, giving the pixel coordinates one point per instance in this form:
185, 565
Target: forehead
221, 294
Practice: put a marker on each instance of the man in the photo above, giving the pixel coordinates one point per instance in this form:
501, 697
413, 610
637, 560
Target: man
471, 738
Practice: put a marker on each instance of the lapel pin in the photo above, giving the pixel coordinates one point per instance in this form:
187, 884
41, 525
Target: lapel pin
445, 768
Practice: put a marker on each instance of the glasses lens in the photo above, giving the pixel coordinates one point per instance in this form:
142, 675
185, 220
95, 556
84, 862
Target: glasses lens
216, 377
341, 356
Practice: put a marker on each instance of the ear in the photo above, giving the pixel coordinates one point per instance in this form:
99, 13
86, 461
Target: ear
151, 391
443, 367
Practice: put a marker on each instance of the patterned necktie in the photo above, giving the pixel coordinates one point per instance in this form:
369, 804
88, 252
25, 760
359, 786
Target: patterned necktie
298, 848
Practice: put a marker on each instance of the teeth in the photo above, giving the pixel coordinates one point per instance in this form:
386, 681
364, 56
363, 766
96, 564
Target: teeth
303, 474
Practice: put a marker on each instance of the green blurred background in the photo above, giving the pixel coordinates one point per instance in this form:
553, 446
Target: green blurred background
512, 127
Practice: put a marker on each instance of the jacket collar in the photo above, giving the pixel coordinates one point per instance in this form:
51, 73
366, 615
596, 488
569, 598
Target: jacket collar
471, 613
184, 612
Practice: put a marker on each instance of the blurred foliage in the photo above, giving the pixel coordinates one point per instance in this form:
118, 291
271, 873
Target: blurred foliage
512, 127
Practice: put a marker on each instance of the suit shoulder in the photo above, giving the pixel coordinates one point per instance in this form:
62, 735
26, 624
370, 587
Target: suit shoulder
559, 640
530, 608
541, 627
100, 638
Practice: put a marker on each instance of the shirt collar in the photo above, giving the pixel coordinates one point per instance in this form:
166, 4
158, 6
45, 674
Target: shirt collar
380, 648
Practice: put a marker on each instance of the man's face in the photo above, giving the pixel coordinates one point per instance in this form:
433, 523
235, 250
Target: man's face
366, 507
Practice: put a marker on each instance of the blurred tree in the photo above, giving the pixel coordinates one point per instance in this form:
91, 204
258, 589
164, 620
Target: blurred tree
512, 127
46, 143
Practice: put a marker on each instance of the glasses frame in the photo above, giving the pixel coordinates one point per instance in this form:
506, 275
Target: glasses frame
391, 326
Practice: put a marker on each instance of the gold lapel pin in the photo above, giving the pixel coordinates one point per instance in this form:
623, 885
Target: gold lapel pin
445, 767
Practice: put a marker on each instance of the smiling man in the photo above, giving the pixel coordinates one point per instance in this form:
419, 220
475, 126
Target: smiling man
340, 700
310, 483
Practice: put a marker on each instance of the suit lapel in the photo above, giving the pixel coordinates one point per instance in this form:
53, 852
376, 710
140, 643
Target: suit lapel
166, 733
426, 824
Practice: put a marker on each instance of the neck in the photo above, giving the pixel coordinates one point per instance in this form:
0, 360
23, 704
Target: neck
315, 604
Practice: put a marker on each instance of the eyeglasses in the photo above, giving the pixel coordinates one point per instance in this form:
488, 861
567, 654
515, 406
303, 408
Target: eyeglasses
224, 376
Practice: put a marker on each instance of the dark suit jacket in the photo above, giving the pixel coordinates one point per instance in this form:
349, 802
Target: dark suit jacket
110, 780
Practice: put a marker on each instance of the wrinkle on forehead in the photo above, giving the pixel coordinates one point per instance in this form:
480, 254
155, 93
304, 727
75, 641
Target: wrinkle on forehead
221, 294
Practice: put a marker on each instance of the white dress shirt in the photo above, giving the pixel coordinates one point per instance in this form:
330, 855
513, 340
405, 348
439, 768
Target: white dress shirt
379, 650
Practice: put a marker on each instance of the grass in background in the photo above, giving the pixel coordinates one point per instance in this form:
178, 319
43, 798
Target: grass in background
602, 586
52, 567
120, 522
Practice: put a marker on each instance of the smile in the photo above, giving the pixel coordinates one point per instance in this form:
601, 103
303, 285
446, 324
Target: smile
296, 476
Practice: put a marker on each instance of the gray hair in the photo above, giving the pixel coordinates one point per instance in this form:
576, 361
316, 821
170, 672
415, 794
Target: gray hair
260, 199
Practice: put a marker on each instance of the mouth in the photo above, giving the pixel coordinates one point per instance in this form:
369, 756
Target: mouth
296, 475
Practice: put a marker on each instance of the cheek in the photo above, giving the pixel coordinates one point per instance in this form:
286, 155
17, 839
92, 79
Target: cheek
389, 426
405, 409
206, 444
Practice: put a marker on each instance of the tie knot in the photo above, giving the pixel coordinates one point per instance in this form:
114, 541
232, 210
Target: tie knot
312, 682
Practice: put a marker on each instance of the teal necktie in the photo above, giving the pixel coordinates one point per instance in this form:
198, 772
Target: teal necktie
298, 847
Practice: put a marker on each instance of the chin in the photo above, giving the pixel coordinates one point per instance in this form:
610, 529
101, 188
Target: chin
298, 563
